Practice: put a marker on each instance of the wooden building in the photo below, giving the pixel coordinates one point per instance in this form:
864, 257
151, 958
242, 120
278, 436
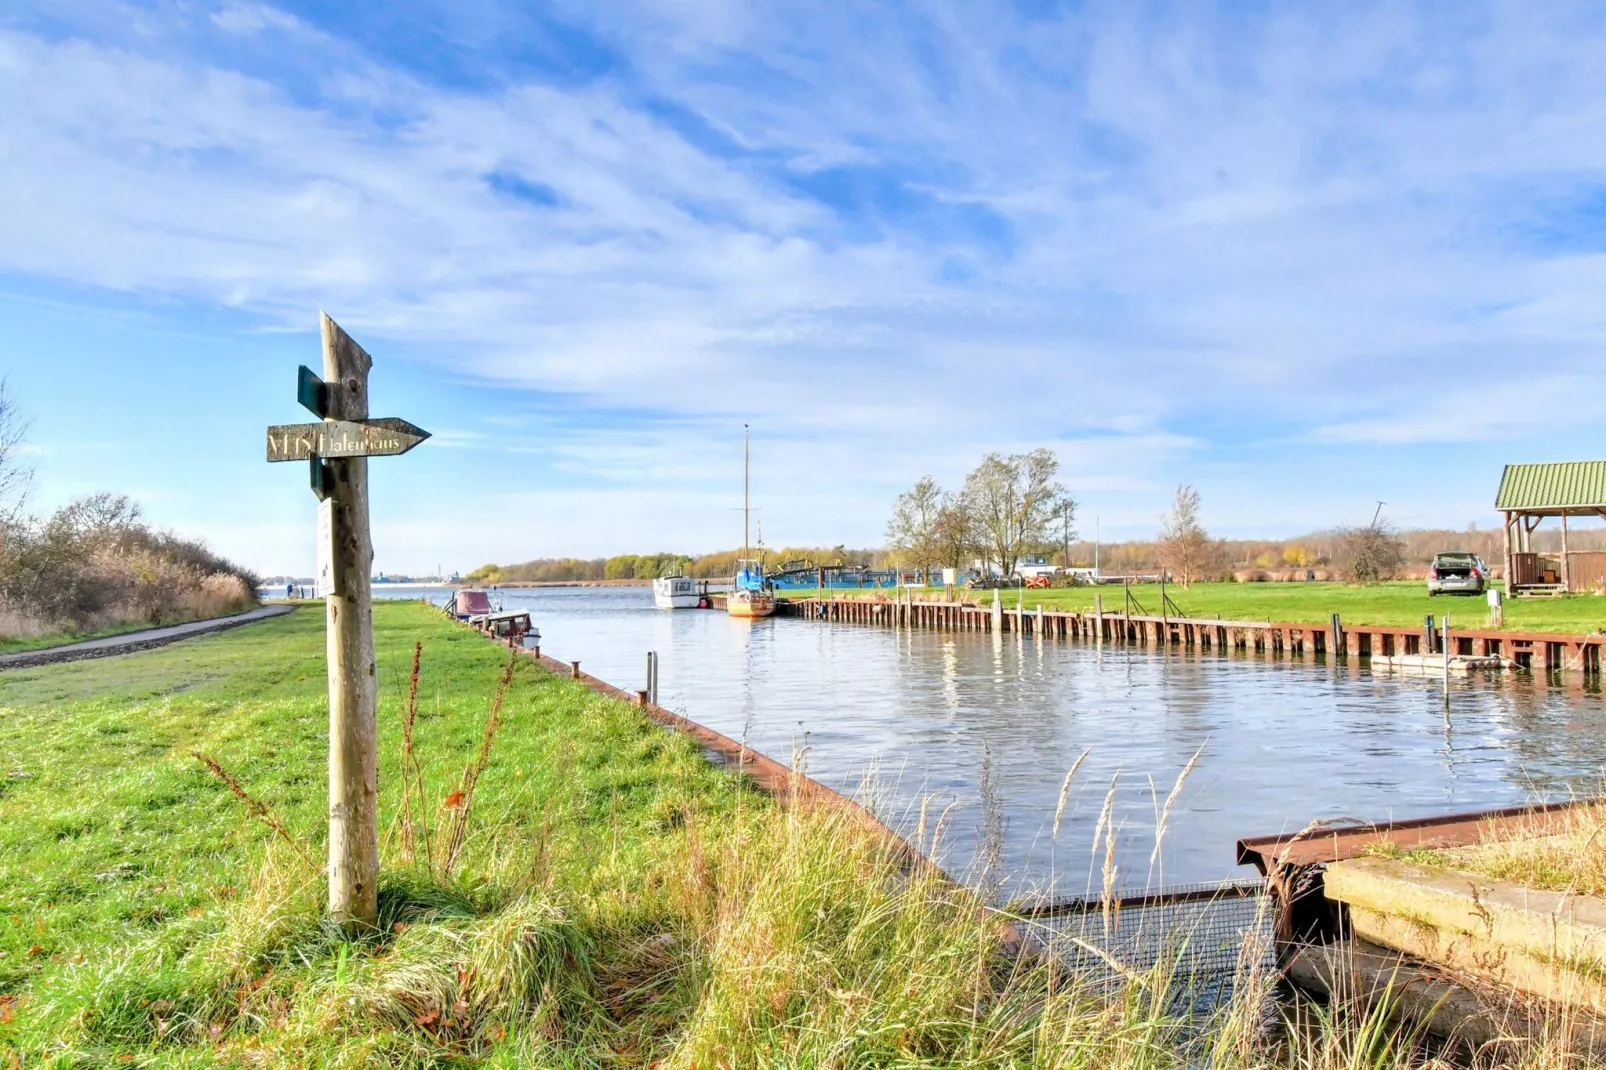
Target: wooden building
1531, 492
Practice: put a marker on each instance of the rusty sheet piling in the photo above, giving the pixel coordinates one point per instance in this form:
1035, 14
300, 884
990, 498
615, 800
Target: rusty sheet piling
1536, 651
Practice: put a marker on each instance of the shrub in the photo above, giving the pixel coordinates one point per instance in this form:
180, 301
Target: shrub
95, 563
1368, 554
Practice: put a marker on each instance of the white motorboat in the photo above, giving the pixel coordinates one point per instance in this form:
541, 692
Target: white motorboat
675, 592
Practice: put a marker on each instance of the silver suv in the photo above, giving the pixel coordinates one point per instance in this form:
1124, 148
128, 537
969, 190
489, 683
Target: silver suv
1457, 572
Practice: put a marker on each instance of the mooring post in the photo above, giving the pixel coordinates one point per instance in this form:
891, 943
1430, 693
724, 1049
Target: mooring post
1446, 634
1336, 643
1098, 616
1427, 633
349, 644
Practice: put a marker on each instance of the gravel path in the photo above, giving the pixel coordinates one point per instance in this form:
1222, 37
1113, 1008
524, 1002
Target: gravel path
131, 641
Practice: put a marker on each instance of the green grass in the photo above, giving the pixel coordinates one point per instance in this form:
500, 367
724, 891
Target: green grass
621, 902
1401, 603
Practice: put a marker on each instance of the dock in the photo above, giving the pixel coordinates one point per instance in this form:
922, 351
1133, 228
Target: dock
1472, 648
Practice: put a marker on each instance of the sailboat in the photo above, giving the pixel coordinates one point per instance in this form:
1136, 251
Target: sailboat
751, 594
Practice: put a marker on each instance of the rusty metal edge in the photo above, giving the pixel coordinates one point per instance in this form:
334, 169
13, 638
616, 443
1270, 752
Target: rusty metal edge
1521, 638
1140, 901
788, 786
1449, 830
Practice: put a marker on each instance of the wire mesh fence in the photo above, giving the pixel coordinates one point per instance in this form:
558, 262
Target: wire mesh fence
1204, 937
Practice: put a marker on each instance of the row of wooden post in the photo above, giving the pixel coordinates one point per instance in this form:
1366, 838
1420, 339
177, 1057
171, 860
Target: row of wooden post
1539, 652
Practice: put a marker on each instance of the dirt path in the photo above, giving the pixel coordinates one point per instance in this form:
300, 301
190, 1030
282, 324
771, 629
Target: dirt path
131, 641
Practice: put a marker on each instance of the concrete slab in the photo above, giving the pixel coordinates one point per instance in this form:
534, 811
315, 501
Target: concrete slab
1549, 944
1483, 1018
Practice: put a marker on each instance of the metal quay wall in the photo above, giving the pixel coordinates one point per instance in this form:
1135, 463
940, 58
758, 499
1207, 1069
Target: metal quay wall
1539, 651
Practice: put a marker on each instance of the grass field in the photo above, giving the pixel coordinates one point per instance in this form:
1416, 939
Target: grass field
1384, 603
620, 902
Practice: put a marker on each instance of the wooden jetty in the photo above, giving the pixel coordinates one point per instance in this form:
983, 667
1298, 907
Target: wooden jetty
1537, 651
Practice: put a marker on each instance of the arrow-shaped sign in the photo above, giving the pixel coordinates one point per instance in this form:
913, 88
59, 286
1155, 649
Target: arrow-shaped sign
384, 437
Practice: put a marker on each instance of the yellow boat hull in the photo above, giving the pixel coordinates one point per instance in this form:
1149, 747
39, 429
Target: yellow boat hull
751, 604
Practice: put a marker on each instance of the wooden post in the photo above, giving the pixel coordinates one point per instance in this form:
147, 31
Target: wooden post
1446, 641
1566, 565
1507, 517
353, 687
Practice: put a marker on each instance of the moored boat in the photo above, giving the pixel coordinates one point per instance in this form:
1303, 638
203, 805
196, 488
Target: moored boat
470, 602
675, 592
752, 594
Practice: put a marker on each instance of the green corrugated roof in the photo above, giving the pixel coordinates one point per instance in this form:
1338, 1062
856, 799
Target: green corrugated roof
1561, 485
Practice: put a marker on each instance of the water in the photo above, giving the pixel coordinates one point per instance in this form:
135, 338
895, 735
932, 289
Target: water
911, 717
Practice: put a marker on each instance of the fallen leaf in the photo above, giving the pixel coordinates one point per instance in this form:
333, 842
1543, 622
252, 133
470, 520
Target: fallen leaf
455, 799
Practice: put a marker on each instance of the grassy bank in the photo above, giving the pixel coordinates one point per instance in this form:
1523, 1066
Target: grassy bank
1403, 603
619, 902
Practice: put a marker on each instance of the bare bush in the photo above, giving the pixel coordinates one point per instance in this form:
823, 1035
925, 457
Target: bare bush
1368, 554
96, 563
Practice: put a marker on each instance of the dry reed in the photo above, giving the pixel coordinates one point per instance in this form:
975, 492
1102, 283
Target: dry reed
412, 774
254, 806
462, 800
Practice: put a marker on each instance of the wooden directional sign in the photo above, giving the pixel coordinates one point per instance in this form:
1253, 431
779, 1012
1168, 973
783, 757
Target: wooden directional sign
384, 437
345, 560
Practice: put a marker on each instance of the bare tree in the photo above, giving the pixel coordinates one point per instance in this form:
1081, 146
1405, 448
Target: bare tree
912, 528
1369, 553
1013, 503
15, 476
1184, 547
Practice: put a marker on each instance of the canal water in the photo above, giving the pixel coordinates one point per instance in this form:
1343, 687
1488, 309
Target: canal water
911, 720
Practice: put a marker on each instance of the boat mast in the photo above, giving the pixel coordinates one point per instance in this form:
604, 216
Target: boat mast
746, 551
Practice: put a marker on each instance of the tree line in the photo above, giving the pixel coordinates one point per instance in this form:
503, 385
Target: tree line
719, 564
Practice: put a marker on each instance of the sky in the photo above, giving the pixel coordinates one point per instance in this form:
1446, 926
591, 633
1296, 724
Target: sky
1305, 258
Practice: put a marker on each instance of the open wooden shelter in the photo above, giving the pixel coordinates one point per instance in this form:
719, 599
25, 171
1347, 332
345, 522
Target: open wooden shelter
1531, 492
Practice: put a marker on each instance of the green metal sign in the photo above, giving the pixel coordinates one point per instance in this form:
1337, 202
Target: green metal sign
312, 392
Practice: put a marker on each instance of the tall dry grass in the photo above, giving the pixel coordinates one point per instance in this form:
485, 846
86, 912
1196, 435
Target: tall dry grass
1567, 853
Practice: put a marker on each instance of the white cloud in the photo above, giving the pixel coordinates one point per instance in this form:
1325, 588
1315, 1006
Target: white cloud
1288, 226
247, 18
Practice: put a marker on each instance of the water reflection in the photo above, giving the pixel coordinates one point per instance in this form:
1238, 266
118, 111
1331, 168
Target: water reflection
1281, 742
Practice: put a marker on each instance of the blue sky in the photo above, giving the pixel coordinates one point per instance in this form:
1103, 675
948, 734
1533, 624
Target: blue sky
1304, 259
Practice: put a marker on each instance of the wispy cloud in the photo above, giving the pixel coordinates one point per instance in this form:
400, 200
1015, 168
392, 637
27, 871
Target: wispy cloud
896, 235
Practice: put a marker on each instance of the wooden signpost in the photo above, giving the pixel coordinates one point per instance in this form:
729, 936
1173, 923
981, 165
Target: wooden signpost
337, 451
